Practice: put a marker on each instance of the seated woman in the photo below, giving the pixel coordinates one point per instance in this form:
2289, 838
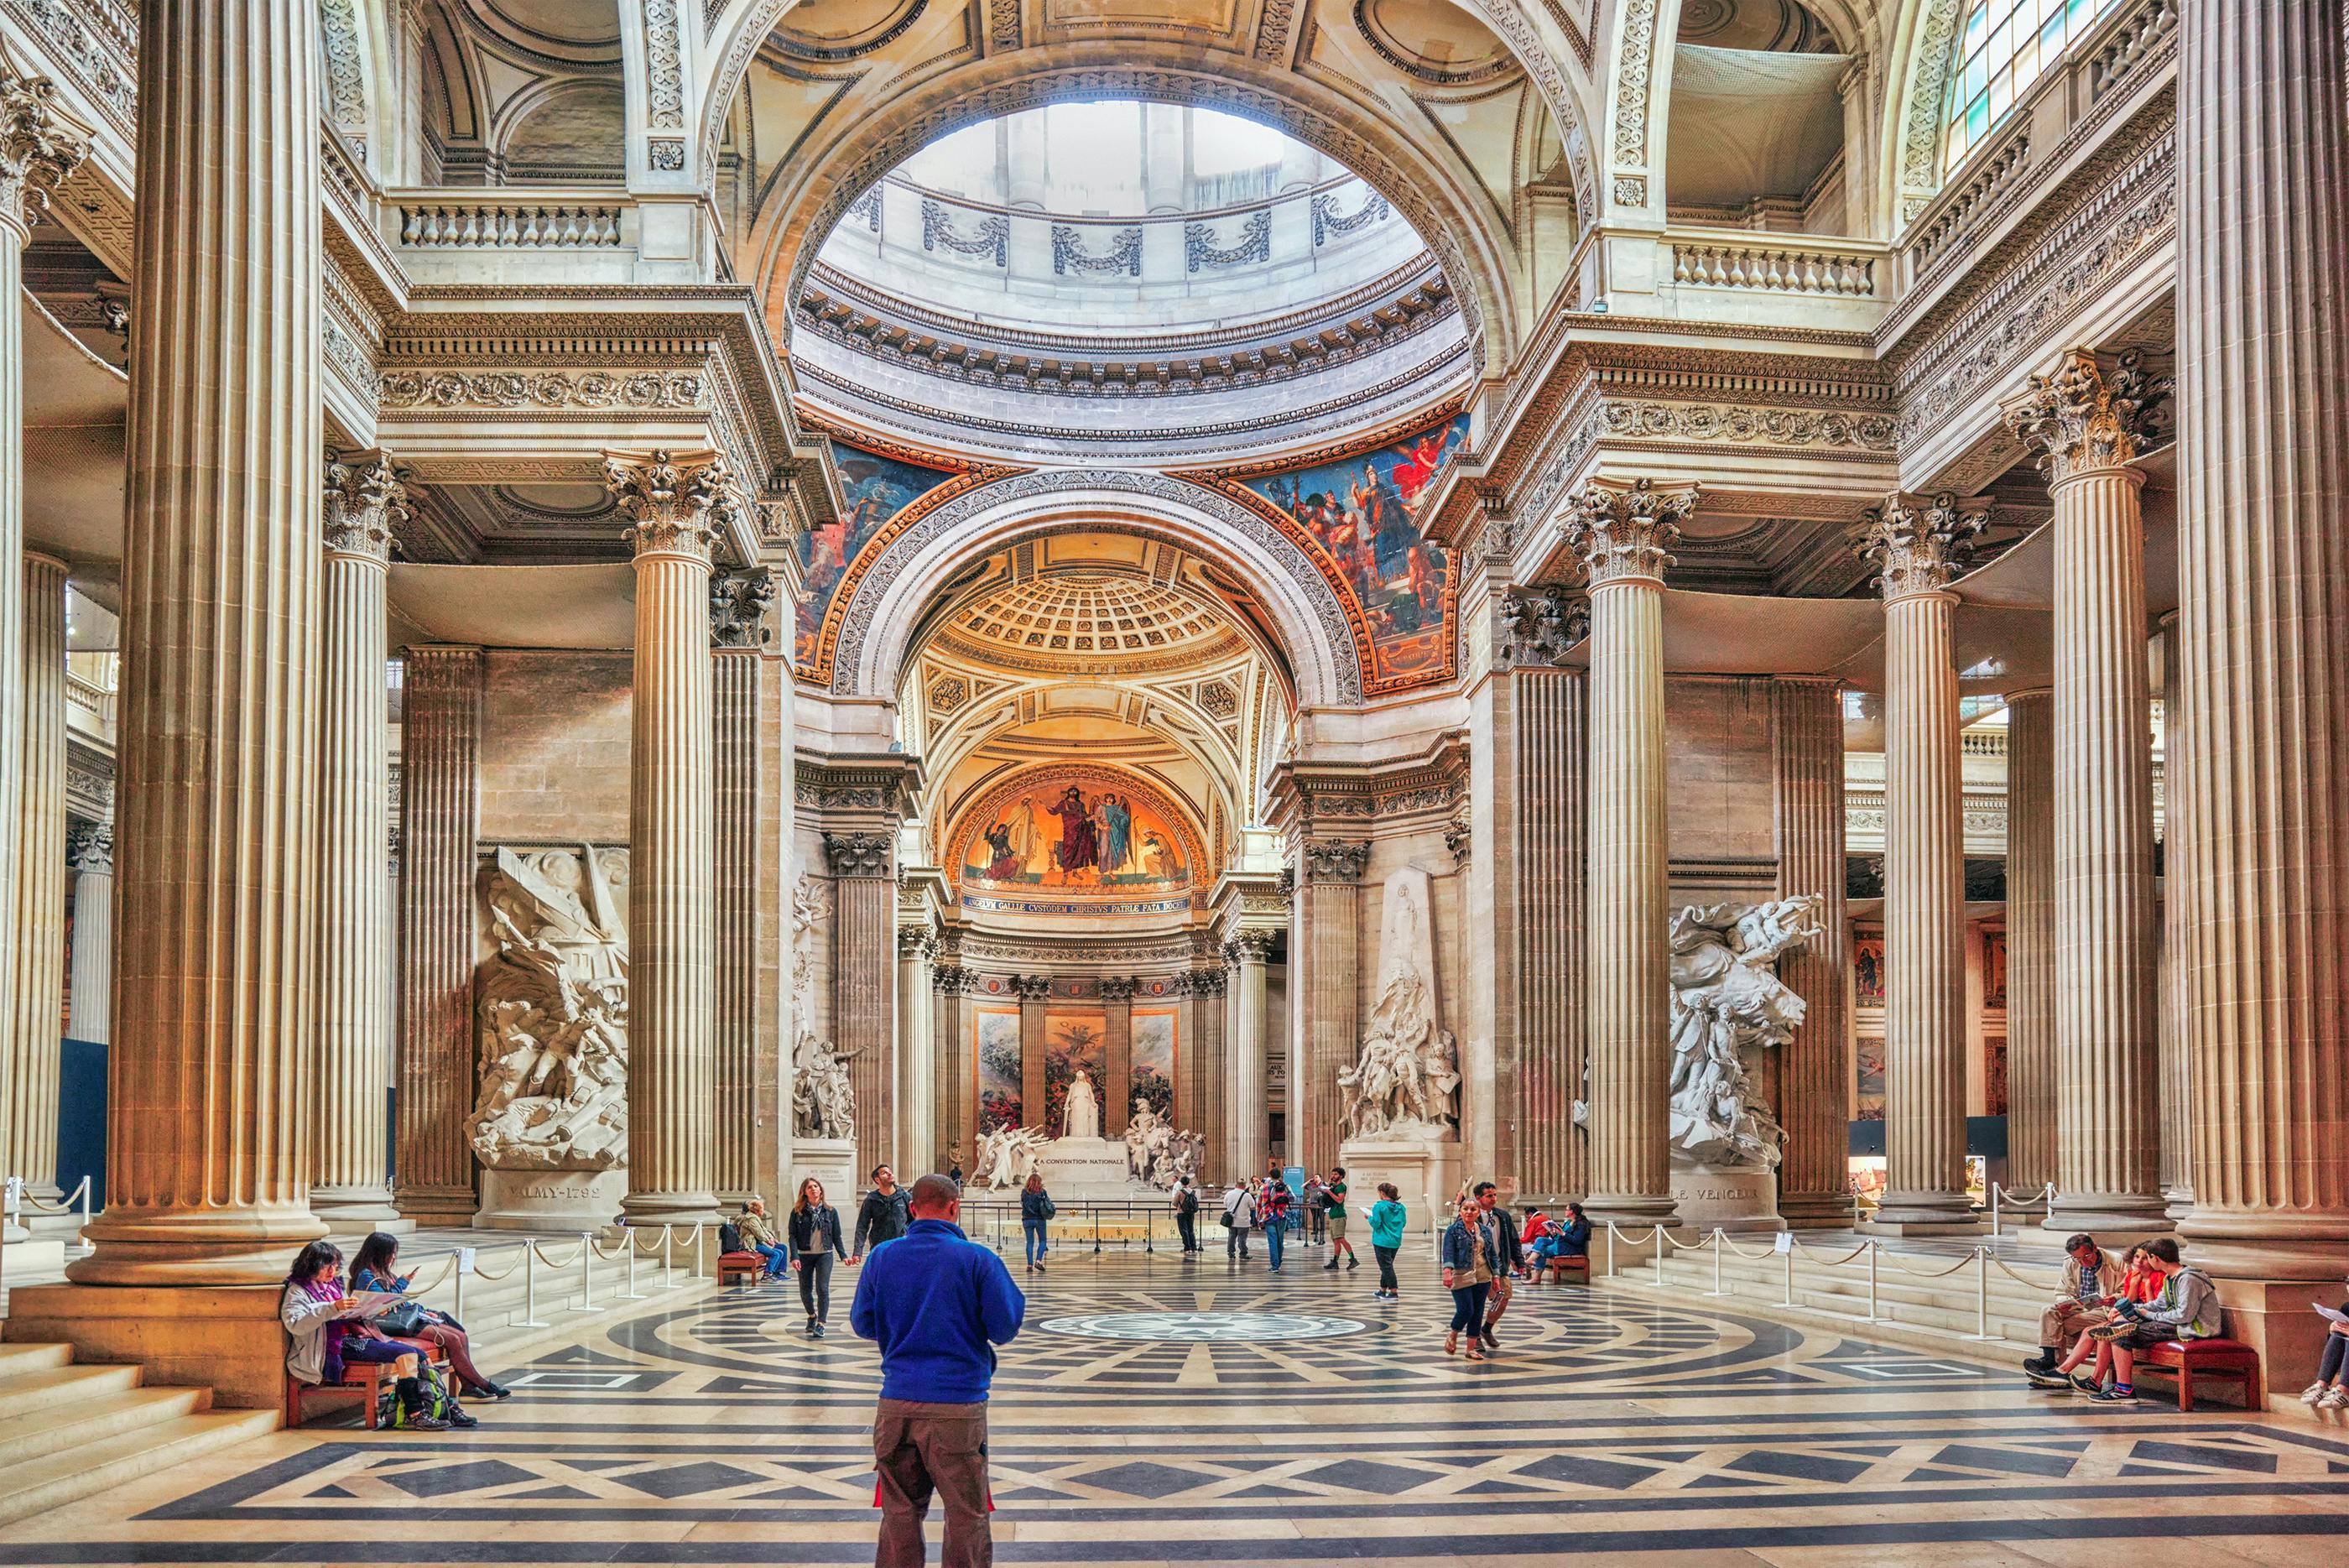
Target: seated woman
2330, 1389
1567, 1238
2141, 1283
377, 1268
758, 1233
322, 1321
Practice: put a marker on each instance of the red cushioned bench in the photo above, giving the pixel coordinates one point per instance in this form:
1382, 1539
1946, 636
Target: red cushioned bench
365, 1379
742, 1266
2191, 1358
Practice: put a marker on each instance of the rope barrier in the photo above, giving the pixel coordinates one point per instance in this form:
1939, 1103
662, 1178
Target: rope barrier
549, 1259
1793, 1246
1736, 1251
1936, 1274
2024, 1280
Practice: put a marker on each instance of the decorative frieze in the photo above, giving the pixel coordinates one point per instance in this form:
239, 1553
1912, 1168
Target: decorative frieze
511, 390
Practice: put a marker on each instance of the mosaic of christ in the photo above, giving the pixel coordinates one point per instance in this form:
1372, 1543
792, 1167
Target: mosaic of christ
1071, 835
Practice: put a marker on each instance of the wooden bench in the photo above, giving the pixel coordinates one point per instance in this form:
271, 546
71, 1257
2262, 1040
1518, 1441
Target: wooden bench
2226, 1357
1559, 1267
744, 1267
367, 1379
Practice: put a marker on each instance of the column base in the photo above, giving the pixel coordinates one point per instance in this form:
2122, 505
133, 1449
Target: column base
2177, 1202
354, 1210
1923, 1214
2135, 1215
225, 1337
683, 1208
436, 1205
1816, 1210
207, 1248
1631, 1210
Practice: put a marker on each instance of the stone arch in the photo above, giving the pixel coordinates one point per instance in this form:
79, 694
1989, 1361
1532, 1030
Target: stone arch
1315, 632
356, 93
1924, 42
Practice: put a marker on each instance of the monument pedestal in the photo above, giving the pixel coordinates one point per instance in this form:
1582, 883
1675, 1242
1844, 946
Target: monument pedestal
1734, 1198
831, 1160
550, 1199
1426, 1171
1089, 1169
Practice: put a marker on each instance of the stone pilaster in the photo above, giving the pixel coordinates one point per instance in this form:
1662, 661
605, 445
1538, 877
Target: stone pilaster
917, 1118
1324, 982
2030, 1060
2088, 421
672, 503
350, 1187
1250, 1111
1813, 1099
864, 981
743, 866
957, 1081
217, 798
1624, 536
90, 850
440, 705
1117, 1055
37, 930
1034, 990
1918, 542
2260, 803
2176, 1088
1210, 1082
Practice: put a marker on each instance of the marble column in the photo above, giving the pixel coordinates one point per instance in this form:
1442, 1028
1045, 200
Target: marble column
673, 504
441, 699
90, 850
2031, 1071
1624, 536
2177, 1089
1117, 1055
37, 931
350, 1185
1034, 990
1250, 1111
2261, 803
216, 949
864, 869
918, 1120
1814, 1078
2088, 421
743, 858
36, 154
1324, 983
1918, 542
1206, 1115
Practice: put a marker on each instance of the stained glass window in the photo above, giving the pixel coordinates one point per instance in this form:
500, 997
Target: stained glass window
2002, 48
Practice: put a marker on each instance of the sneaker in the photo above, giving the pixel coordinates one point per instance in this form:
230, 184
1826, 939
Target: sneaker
2083, 1384
2104, 1333
458, 1418
2047, 1380
488, 1391
2335, 1399
819, 1331
811, 1328
2043, 1362
421, 1422
2118, 1394
2314, 1392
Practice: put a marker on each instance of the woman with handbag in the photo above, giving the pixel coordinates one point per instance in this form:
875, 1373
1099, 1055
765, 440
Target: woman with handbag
1035, 1213
377, 1268
814, 1236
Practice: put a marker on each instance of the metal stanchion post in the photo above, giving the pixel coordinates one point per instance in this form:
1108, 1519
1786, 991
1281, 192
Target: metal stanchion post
1981, 1291
1993, 1208
587, 1271
529, 1286
668, 1257
1871, 1286
1788, 1279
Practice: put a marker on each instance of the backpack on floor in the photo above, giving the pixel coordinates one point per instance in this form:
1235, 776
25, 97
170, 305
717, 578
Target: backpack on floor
436, 1400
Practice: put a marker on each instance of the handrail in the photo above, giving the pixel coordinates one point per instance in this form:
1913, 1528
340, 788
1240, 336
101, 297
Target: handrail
1132, 220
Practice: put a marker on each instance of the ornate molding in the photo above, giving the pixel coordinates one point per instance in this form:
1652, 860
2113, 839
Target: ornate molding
739, 602
1625, 533
1920, 137
1334, 859
1534, 627
1918, 542
1635, 54
100, 51
37, 152
2081, 418
860, 853
365, 503
339, 42
675, 502
664, 66
504, 390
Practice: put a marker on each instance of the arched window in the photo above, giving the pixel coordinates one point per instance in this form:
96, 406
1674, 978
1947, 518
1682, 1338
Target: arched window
2001, 50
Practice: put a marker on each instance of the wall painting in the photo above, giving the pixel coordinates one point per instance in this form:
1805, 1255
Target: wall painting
1152, 1056
1067, 839
995, 1048
1072, 1040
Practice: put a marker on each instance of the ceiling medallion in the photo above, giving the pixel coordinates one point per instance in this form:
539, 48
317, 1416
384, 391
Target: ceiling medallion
1434, 41
843, 31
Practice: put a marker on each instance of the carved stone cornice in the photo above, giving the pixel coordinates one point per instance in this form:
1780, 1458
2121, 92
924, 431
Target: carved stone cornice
1032, 987
877, 787
2083, 419
1534, 627
1625, 533
1334, 859
676, 503
739, 602
89, 848
1360, 795
1918, 542
1119, 987
365, 503
37, 151
860, 853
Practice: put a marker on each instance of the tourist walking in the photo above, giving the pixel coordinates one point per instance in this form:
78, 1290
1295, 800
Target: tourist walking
1508, 1256
1272, 1209
883, 1215
1468, 1254
1187, 1213
1036, 1212
1333, 1218
1239, 1213
1387, 1220
813, 1232
936, 1303
1315, 1201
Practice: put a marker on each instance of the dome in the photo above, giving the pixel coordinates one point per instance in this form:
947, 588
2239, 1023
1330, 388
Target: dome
1096, 621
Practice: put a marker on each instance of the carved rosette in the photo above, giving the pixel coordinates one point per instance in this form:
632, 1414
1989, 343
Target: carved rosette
673, 501
37, 152
1335, 859
89, 848
2082, 418
1625, 533
859, 854
1533, 628
1918, 542
739, 602
365, 504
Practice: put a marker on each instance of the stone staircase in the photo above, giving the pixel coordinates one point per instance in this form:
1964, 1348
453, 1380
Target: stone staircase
68, 1431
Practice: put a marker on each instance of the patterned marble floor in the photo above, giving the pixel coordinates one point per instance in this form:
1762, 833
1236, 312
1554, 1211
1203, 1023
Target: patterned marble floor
1159, 1410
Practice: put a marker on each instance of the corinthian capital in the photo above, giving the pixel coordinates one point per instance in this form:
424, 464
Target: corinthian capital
1918, 542
36, 150
2082, 417
1626, 533
1335, 859
859, 854
364, 499
674, 501
738, 606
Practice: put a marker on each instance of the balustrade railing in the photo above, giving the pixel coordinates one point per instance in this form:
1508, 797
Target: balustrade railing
1837, 272
446, 221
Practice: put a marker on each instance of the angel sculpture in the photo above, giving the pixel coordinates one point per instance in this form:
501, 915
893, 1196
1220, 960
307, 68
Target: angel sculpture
1727, 999
1007, 1156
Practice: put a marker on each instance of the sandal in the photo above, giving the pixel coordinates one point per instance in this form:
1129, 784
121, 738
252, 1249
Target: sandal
1476, 1354
1452, 1343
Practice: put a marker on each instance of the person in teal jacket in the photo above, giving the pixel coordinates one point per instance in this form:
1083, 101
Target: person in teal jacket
1387, 1220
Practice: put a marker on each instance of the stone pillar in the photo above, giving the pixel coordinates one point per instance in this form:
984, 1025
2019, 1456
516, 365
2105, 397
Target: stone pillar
217, 947
2260, 799
350, 1187
1324, 983
957, 1083
1034, 989
672, 506
2031, 1071
37, 932
1624, 536
1117, 1055
1814, 1089
1250, 1111
2088, 423
918, 1120
90, 850
864, 981
744, 861
440, 705
1209, 1074
1918, 542
2176, 1088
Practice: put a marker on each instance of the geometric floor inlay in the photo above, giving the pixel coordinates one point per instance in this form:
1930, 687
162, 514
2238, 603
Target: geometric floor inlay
1198, 1327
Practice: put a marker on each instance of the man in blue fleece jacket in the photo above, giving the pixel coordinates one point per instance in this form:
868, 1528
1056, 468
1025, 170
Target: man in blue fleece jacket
938, 1304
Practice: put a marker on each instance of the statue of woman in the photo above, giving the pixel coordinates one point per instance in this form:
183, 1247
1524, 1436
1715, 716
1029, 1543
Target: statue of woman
1081, 1112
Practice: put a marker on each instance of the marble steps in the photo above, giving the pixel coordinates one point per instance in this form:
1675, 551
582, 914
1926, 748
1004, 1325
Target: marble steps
1946, 1309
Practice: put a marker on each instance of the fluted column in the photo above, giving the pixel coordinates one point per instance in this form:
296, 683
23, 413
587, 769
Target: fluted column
1624, 536
1918, 542
1206, 1114
864, 981
2177, 1086
1251, 1127
1034, 989
2087, 423
441, 695
2031, 1074
957, 1083
1814, 1092
209, 1093
90, 850
37, 930
917, 1118
672, 503
2260, 804
349, 1184
1324, 981
1117, 1055
738, 603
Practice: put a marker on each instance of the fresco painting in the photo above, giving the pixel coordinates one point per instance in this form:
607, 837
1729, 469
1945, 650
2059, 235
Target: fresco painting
875, 489
1152, 1059
1068, 839
995, 1038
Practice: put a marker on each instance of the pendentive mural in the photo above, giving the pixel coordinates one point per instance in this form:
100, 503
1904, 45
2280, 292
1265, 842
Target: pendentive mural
1075, 839
884, 494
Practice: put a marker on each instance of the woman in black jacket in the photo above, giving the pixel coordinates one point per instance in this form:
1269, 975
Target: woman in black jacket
815, 1244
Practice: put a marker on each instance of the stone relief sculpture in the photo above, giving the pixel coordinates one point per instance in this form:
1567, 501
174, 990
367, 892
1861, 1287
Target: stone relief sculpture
1728, 1001
1007, 1156
551, 1011
1156, 1155
823, 1103
1407, 1077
